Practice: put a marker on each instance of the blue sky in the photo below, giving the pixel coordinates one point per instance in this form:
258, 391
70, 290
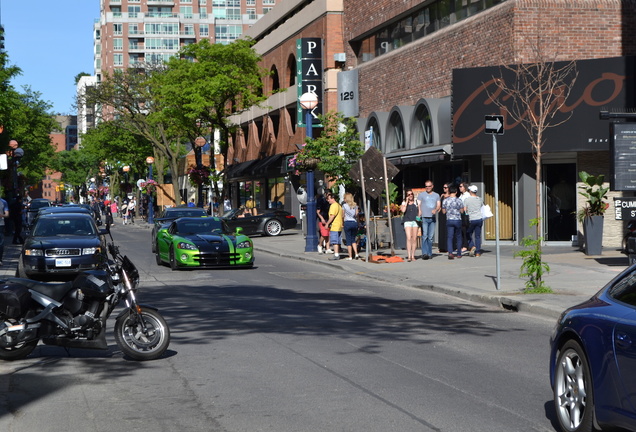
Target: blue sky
52, 42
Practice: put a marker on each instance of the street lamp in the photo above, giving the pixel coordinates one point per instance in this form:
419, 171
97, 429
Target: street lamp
151, 211
126, 169
308, 101
199, 142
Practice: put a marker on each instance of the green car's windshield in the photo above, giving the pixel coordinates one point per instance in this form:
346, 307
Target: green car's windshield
201, 227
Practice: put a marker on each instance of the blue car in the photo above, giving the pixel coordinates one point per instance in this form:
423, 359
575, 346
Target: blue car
593, 360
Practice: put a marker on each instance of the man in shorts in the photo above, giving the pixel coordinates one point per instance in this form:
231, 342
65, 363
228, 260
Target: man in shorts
335, 224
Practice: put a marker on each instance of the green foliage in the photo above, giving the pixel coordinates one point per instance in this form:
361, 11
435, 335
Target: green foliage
595, 195
336, 149
393, 193
533, 266
203, 87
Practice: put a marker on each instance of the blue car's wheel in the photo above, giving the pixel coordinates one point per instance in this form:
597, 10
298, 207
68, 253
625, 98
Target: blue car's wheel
573, 393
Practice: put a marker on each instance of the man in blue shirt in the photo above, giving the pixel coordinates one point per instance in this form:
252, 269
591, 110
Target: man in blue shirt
430, 204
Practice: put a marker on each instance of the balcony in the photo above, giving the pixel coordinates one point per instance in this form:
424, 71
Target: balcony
160, 2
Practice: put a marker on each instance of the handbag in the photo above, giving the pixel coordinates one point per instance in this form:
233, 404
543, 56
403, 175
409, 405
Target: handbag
486, 212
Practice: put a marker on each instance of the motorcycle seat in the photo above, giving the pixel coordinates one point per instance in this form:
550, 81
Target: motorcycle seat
54, 290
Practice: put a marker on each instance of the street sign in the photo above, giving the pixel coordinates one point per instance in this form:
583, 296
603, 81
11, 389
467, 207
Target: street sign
494, 125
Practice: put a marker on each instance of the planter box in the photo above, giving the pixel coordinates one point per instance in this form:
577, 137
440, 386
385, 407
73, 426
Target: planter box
593, 232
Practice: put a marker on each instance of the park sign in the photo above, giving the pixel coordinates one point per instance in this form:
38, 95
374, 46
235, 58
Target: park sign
309, 74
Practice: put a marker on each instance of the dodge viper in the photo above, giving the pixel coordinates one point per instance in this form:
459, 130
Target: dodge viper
203, 243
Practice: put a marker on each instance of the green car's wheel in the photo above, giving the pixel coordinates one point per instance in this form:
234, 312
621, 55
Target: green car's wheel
173, 260
158, 259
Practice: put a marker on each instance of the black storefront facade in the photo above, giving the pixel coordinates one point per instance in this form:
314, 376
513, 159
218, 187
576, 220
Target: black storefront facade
580, 143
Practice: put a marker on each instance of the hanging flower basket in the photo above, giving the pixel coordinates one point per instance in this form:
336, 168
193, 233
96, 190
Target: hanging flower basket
307, 164
149, 187
199, 176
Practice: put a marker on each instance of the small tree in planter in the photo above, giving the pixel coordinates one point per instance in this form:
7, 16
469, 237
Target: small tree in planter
591, 216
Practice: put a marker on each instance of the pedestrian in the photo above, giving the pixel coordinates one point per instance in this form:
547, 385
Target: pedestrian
441, 221
132, 208
191, 203
472, 206
350, 211
227, 204
463, 194
410, 210
335, 223
15, 216
429, 206
124, 212
322, 211
4, 214
453, 207
114, 210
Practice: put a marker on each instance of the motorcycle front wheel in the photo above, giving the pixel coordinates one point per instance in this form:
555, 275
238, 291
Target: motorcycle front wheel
146, 340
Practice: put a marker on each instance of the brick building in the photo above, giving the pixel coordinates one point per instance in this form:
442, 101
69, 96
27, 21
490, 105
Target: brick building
410, 72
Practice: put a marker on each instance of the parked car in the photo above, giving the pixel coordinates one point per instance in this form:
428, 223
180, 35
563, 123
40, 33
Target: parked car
170, 214
271, 223
34, 206
60, 246
203, 242
593, 359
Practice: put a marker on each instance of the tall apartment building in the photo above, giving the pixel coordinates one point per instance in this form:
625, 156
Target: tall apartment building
131, 32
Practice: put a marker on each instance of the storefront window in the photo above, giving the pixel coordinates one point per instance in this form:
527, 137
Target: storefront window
276, 193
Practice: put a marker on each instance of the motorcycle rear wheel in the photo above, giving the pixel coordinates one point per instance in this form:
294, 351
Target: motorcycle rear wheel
17, 352
137, 343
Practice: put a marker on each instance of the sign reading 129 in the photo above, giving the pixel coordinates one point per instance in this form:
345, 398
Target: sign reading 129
347, 95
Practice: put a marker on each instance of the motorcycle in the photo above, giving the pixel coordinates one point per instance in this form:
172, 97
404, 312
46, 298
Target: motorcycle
73, 314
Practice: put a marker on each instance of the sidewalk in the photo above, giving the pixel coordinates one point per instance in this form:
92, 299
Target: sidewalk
574, 277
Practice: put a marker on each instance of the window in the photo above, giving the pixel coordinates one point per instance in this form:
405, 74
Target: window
204, 30
225, 34
251, 13
133, 29
162, 29
133, 11
162, 44
269, 2
133, 44
188, 29
186, 11
203, 2
266, 9
118, 59
250, 2
118, 29
422, 131
118, 44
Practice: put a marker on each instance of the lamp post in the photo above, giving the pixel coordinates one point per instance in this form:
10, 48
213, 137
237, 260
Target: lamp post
126, 169
151, 211
199, 142
308, 101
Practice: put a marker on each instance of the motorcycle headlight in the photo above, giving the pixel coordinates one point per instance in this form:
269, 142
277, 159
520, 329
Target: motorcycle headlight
244, 244
91, 251
188, 246
34, 252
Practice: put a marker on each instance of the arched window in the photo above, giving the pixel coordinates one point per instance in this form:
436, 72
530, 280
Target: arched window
375, 136
422, 133
291, 70
395, 135
273, 79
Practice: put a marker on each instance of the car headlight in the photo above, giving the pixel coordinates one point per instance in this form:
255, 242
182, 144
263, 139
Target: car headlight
91, 251
188, 246
244, 244
34, 252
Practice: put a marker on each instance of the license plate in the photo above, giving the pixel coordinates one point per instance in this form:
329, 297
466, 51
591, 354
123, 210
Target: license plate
62, 262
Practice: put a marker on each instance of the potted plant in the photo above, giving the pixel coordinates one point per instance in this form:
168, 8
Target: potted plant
591, 216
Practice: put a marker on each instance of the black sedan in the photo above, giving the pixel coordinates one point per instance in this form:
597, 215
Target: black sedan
170, 214
60, 246
593, 360
271, 223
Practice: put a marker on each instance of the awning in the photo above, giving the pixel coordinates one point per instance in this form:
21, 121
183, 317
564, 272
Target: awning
425, 154
242, 169
264, 166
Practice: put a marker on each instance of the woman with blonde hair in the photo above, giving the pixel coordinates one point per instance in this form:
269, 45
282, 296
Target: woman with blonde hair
350, 211
409, 209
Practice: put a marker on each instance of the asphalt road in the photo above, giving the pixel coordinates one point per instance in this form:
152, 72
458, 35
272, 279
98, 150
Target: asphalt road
292, 346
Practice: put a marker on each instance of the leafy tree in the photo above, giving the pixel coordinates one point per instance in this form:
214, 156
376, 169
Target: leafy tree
116, 147
130, 97
336, 149
79, 76
76, 166
208, 83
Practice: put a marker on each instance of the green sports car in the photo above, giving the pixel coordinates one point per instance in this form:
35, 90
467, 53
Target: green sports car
203, 243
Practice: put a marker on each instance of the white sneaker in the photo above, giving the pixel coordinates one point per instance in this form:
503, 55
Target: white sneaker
329, 251
349, 258
319, 249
